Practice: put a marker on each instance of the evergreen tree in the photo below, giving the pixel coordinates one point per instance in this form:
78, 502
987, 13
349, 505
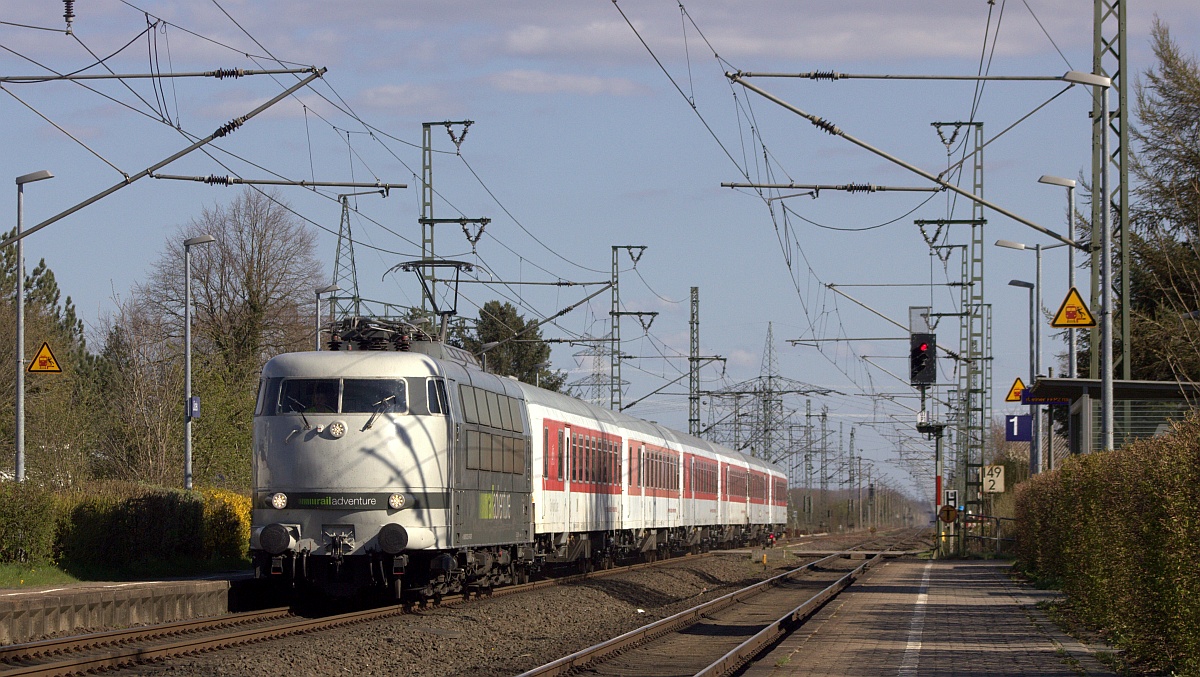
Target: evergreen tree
59, 426
526, 357
1165, 217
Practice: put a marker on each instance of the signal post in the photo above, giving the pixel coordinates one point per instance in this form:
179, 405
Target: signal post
922, 373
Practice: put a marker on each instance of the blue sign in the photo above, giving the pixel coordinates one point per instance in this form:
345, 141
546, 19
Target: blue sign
1018, 428
194, 407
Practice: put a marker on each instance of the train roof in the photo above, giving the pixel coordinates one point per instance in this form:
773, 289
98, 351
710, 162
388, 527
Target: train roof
350, 363
578, 407
370, 363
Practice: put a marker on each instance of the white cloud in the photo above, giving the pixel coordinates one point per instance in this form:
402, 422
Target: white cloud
404, 97
540, 82
534, 40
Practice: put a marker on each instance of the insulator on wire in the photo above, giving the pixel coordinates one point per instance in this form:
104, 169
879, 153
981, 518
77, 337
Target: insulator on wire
69, 13
222, 73
213, 180
825, 75
229, 127
860, 188
827, 126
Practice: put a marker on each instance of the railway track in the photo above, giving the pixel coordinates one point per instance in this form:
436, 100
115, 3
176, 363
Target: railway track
720, 636
134, 646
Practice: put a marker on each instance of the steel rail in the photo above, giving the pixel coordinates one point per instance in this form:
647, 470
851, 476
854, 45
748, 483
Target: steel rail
750, 648
640, 637
141, 653
32, 650
658, 628
103, 655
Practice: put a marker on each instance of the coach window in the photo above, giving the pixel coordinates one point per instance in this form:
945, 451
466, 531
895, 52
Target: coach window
467, 395
384, 396
309, 395
574, 457
545, 452
620, 461
498, 454
481, 407
268, 397
559, 455
493, 404
506, 421
481, 403
604, 471
518, 420
507, 450
473, 449
435, 393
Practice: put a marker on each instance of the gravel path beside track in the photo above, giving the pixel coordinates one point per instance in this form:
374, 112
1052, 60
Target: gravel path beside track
501, 636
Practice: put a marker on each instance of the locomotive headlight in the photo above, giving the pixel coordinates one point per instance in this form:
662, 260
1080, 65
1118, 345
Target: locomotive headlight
397, 501
337, 429
279, 500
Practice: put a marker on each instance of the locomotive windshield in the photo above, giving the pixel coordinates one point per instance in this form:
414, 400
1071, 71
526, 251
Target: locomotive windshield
331, 396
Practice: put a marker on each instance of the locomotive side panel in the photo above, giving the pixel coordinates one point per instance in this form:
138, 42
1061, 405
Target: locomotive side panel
492, 487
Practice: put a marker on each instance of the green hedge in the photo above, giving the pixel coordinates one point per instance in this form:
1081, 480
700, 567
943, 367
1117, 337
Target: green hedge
1119, 533
26, 523
123, 529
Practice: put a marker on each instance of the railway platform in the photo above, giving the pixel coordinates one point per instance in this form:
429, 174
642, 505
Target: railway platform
38, 612
912, 617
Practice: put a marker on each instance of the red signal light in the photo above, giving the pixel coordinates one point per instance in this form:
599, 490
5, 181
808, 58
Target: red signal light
924, 347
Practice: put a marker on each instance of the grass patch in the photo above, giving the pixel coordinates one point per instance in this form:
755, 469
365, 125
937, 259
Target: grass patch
19, 576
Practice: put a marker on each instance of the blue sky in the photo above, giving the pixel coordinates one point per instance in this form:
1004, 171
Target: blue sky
581, 142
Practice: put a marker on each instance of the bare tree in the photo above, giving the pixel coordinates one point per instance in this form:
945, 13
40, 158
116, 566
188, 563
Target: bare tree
252, 297
143, 414
251, 288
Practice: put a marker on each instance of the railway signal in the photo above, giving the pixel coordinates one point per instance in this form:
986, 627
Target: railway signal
922, 359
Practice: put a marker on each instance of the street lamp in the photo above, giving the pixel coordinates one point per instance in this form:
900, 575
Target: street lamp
537, 371
1106, 339
20, 406
323, 290
483, 351
1069, 184
1035, 328
1035, 442
191, 408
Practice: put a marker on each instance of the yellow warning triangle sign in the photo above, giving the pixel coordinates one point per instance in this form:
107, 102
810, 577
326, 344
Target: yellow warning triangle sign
1073, 312
44, 360
1014, 393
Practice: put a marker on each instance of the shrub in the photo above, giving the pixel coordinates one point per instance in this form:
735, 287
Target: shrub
26, 523
226, 524
1118, 532
116, 525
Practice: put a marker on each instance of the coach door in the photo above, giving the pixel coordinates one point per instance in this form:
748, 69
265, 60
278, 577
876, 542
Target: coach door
568, 475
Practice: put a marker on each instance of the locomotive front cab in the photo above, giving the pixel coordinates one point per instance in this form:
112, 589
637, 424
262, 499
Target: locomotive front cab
351, 468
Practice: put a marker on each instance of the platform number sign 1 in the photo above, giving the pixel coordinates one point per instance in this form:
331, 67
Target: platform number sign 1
1018, 428
993, 479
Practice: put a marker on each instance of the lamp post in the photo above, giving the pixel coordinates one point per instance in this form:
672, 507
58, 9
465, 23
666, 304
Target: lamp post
1069, 184
189, 407
483, 351
317, 316
1036, 326
1035, 442
537, 371
20, 403
1106, 339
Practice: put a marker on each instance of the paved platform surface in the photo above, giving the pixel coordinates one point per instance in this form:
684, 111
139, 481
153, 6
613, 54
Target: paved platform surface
911, 617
